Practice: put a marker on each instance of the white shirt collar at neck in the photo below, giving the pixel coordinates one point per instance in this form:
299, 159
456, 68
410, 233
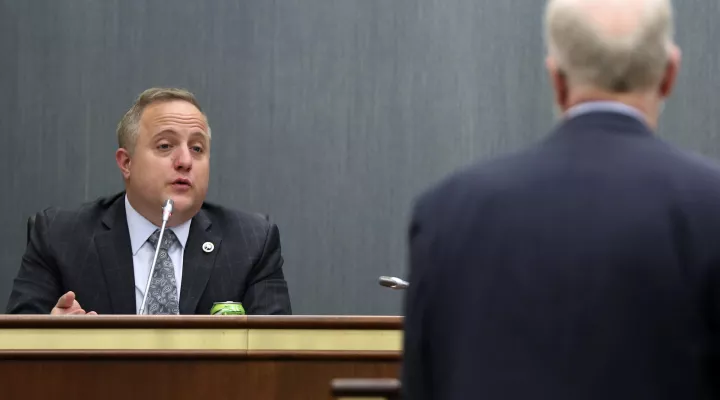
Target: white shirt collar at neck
140, 228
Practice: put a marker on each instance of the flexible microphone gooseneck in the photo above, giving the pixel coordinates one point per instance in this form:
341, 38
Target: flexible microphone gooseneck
167, 211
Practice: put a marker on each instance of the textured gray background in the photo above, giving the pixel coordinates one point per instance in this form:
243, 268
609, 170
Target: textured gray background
330, 115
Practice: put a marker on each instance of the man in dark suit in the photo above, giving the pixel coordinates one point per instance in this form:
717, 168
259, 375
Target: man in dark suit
97, 258
586, 266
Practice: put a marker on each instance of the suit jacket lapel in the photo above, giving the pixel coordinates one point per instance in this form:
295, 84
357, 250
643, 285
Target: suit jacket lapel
115, 253
197, 264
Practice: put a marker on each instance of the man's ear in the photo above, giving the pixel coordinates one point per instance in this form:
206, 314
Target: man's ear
558, 80
671, 71
123, 159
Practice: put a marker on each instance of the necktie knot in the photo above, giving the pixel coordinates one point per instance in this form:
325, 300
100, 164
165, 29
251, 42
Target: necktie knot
168, 239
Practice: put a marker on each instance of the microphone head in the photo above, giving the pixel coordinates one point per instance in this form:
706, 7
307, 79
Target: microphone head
392, 282
167, 209
386, 281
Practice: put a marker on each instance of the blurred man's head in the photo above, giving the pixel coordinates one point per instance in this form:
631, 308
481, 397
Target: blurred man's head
617, 50
164, 152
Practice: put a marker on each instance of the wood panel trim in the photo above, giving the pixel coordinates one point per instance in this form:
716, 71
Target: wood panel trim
325, 322
325, 355
324, 339
370, 356
200, 322
129, 339
122, 322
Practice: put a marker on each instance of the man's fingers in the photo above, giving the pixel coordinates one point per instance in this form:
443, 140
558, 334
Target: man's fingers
92, 313
66, 301
67, 305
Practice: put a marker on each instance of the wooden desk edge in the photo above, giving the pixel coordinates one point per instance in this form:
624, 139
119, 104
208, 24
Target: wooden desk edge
269, 355
201, 322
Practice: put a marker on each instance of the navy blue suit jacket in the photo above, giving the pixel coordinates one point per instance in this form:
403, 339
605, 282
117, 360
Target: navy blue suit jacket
585, 267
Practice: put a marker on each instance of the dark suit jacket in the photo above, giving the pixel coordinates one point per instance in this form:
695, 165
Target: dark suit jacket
88, 251
585, 267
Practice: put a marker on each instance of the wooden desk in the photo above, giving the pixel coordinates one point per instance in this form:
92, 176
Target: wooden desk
192, 357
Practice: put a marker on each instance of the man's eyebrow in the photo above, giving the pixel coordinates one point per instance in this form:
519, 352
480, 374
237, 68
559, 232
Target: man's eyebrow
203, 134
166, 131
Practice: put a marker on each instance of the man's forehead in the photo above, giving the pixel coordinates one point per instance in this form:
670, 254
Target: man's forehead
178, 112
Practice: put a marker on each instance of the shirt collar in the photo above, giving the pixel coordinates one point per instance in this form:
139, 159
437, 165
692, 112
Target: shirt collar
605, 106
140, 228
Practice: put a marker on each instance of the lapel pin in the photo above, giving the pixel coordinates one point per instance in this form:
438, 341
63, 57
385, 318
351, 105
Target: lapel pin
208, 247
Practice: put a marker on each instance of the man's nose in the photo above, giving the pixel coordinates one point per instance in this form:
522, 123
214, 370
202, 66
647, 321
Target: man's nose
183, 159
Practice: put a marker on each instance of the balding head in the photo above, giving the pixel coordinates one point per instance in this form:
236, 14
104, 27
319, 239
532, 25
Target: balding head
611, 46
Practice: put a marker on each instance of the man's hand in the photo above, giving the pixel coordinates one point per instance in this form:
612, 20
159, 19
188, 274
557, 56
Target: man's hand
67, 305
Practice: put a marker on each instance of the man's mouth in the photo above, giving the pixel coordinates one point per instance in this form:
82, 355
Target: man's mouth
182, 182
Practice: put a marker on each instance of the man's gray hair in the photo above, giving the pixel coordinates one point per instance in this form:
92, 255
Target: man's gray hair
129, 127
617, 62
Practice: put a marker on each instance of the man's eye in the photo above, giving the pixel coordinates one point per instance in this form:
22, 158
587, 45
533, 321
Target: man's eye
164, 146
197, 149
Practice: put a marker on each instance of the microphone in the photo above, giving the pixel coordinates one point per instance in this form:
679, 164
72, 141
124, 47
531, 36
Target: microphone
167, 212
393, 282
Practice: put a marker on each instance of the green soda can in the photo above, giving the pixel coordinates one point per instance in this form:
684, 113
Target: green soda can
227, 308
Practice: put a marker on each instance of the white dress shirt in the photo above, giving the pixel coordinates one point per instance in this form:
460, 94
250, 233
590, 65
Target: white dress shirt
143, 252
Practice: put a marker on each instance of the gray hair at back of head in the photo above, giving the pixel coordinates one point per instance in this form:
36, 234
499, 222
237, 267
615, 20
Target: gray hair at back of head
615, 63
129, 127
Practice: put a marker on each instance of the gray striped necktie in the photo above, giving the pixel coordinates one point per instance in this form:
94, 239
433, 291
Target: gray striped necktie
162, 296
